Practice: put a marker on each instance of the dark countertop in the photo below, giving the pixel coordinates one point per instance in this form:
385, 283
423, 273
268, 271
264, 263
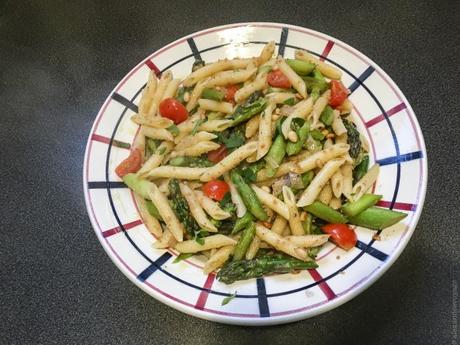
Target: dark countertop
60, 60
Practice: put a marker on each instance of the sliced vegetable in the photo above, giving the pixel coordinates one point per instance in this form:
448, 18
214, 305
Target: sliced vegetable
353, 139
230, 91
302, 134
249, 197
301, 67
182, 210
317, 134
174, 110
245, 112
307, 178
242, 223
244, 242
214, 94
377, 218
339, 93
361, 169
182, 256
217, 155
327, 116
153, 211
131, 164
275, 155
189, 161
341, 234
278, 79
216, 189
138, 185
325, 212
352, 209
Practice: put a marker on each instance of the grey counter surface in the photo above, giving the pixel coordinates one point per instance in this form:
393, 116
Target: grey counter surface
58, 62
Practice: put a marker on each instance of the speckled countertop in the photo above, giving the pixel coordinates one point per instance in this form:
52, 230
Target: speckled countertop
58, 62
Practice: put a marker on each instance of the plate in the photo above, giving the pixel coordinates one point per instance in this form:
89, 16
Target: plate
384, 116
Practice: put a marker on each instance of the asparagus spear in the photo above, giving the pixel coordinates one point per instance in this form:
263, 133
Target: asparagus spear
353, 139
260, 266
181, 209
242, 222
301, 67
325, 212
377, 218
275, 155
245, 112
302, 134
189, 161
213, 94
352, 209
244, 242
249, 197
361, 169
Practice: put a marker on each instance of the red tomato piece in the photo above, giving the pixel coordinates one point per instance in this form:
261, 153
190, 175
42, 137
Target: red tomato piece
131, 164
341, 234
278, 79
216, 189
339, 93
230, 92
217, 155
174, 110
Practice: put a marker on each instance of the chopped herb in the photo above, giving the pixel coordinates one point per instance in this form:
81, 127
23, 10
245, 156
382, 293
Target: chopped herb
232, 138
229, 298
162, 150
317, 135
182, 256
290, 101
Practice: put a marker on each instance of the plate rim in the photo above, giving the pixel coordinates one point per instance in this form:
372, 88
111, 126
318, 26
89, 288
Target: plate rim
272, 320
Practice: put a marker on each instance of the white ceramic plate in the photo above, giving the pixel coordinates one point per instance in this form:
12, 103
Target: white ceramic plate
385, 117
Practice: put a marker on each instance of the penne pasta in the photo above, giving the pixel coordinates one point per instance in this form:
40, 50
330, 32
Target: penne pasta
308, 241
210, 242
156, 158
337, 124
167, 240
232, 77
319, 181
223, 107
252, 126
326, 69
265, 132
366, 182
184, 173
195, 208
166, 212
271, 201
320, 158
281, 243
279, 97
147, 94
266, 53
196, 150
211, 207
253, 248
318, 108
337, 183
347, 173
171, 89
217, 259
152, 121
294, 217
259, 83
335, 203
301, 110
151, 223
165, 79
196, 94
191, 140
279, 225
157, 133
293, 77
229, 162
236, 198
215, 125
325, 195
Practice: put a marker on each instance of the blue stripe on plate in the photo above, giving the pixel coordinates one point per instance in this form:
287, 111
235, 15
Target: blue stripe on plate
126, 102
143, 276
194, 49
361, 79
401, 158
106, 184
372, 251
262, 296
283, 40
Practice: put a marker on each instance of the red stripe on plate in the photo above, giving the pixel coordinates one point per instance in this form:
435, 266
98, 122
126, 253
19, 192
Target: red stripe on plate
390, 112
153, 67
323, 285
201, 302
398, 205
116, 230
326, 50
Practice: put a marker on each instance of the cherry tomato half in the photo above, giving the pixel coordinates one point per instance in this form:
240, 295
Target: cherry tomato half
230, 91
174, 110
131, 164
339, 93
217, 155
278, 79
341, 234
216, 189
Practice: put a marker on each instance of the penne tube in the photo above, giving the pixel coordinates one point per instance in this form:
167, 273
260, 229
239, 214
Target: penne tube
308, 241
236, 198
327, 70
152, 121
265, 131
328, 143
229, 162
184, 173
157, 133
259, 83
232, 77
294, 217
217, 259
166, 77
186, 127
212, 68
195, 208
335, 203
211, 207
215, 125
208, 104
325, 195
366, 182
319, 181
252, 126
279, 225
346, 107
364, 142
209, 242
271, 201
165, 241
283, 169
139, 143
279, 97
266, 53
147, 94
253, 248
286, 231
196, 150
337, 183
337, 124
151, 223
280, 243
166, 212
191, 140
341, 139
318, 108
196, 94
301, 110
171, 89
347, 173
155, 159
163, 185
320, 158
293, 77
